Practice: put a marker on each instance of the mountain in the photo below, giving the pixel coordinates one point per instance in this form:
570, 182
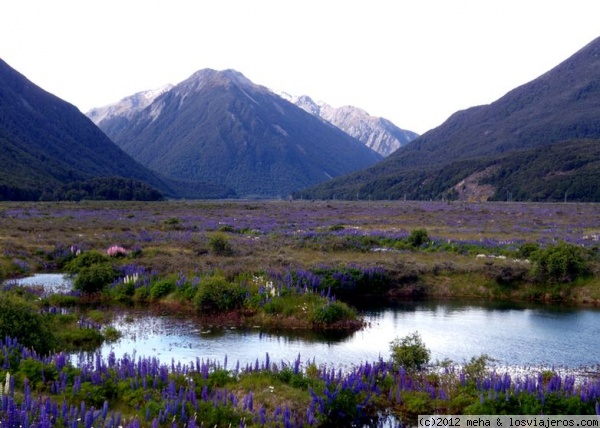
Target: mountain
50, 150
377, 133
478, 153
219, 126
119, 114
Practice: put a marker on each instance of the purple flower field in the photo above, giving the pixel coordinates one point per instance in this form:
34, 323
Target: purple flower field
296, 264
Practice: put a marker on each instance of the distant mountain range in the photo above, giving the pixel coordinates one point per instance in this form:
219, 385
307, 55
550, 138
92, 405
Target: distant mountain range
220, 126
539, 142
219, 135
377, 133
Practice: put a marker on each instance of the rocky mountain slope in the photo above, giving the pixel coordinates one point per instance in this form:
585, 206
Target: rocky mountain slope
377, 133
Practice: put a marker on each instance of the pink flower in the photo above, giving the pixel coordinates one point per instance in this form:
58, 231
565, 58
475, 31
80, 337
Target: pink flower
116, 251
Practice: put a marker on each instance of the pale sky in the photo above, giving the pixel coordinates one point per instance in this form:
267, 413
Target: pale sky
414, 62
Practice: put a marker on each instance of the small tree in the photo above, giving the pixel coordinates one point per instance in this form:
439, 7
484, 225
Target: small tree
410, 352
417, 238
94, 278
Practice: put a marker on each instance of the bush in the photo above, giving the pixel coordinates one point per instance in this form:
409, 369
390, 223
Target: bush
161, 289
94, 278
332, 312
21, 320
561, 263
86, 260
506, 274
215, 294
417, 238
219, 244
410, 352
528, 249
477, 367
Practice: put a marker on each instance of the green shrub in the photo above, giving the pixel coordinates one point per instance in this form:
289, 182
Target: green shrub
86, 260
123, 291
94, 278
219, 244
332, 312
527, 249
274, 306
410, 352
561, 263
215, 294
36, 371
141, 294
21, 320
417, 238
173, 223
161, 289
342, 410
477, 367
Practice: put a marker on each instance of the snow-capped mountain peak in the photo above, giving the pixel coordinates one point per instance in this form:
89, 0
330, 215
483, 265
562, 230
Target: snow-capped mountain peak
377, 133
127, 106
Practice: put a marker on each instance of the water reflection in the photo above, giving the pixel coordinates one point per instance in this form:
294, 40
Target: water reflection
516, 334
454, 330
49, 282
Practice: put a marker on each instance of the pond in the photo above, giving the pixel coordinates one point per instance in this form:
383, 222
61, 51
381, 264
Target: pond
51, 282
514, 334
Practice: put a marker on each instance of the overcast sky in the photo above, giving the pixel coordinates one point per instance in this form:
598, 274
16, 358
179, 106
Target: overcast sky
414, 62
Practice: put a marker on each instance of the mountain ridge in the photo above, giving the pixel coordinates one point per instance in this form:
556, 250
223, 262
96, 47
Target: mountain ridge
561, 105
220, 125
48, 145
377, 133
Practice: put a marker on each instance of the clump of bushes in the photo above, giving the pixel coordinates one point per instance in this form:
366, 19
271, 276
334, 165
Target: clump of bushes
94, 278
216, 294
562, 262
22, 320
93, 270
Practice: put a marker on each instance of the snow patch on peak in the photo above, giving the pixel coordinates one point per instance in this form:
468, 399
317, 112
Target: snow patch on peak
127, 106
305, 102
377, 133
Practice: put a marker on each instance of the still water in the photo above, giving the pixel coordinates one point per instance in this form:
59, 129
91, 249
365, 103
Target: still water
513, 334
